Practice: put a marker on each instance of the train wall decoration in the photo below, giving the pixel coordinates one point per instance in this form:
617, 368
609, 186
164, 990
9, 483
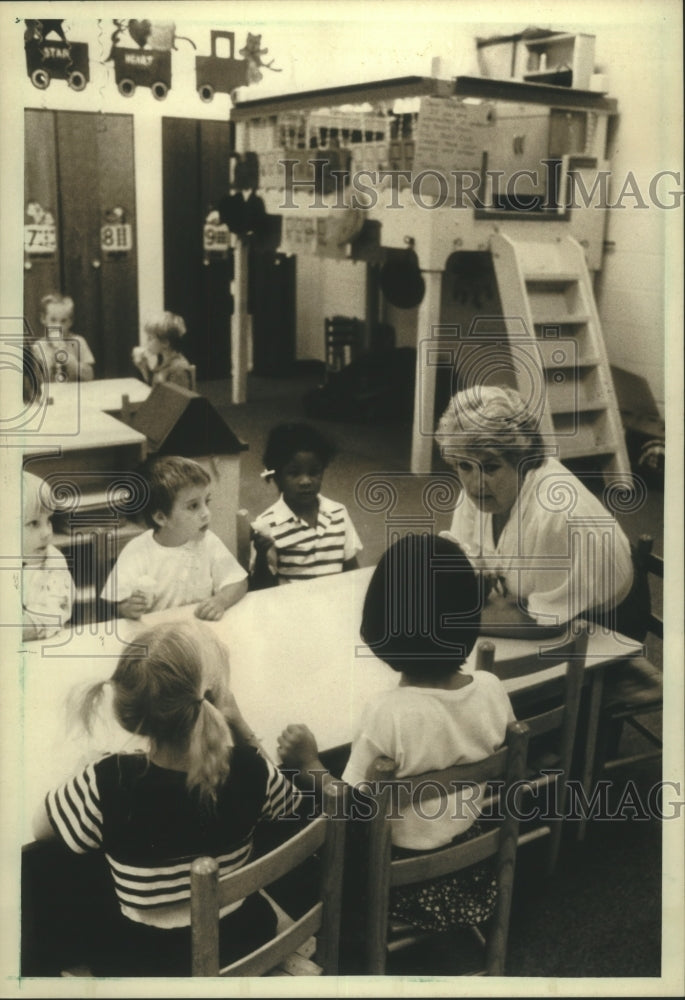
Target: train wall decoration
51, 55
57, 58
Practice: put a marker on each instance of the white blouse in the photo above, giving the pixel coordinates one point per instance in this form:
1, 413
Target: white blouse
561, 551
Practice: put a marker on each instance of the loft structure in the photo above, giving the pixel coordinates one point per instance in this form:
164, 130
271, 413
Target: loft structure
498, 183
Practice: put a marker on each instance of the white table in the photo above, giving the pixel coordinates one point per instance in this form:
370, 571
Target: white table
100, 394
295, 655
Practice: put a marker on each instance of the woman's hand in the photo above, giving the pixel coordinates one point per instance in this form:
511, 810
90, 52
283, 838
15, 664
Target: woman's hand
297, 747
503, 616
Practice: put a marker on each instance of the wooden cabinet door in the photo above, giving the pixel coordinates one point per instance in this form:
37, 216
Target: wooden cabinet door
81, 166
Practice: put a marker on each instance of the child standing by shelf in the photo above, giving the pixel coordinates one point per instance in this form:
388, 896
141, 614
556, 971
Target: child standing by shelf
303, 535
178, 561
203, 788
47, 584
65, 356
161, 359
422, 617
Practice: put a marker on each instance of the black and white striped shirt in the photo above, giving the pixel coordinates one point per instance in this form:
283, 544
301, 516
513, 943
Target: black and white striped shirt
151, 829
303, 552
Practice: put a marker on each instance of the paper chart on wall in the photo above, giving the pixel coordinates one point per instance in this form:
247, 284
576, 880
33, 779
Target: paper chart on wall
450, 134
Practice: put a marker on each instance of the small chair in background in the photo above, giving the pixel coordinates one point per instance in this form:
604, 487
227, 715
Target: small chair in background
561, 720
287, 954
128, 410
386, 936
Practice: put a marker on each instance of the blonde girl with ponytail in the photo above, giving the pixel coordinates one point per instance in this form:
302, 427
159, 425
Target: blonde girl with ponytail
202, 789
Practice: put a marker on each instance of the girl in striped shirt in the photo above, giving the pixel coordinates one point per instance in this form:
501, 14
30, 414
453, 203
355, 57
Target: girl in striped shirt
304, 535
202, 789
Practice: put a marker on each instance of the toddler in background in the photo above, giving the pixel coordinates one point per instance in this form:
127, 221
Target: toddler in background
47, 584
303, 535
161, 359
178, 561
65, 356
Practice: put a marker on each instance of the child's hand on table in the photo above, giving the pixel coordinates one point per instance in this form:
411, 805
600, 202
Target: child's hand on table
261, 542
211, 609
297, 747
134, 606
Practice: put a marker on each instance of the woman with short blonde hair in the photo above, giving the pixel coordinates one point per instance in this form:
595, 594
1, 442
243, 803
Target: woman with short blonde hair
548, 547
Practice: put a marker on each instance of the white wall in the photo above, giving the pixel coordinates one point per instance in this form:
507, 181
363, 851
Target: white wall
638, 276
326, 288
315, 45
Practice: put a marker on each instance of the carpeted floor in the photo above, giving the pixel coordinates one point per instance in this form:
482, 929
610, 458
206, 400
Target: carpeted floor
600, 914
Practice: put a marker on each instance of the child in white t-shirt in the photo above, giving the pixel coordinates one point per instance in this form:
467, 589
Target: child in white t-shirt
178, 561
422, 617
47, 584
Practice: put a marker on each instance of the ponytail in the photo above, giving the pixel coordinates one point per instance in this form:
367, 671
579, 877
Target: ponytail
84, 707
158, 685
208, 751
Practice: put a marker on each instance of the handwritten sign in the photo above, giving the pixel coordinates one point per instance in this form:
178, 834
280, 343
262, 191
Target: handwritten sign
451, 135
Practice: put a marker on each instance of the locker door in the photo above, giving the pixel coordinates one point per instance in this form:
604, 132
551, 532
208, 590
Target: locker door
195, 168
42, 273
81, 165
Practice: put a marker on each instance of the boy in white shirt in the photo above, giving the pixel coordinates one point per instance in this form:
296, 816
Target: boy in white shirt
178, 561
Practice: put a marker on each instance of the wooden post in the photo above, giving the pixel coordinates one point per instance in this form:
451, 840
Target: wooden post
241, 327
204, 917
424, 391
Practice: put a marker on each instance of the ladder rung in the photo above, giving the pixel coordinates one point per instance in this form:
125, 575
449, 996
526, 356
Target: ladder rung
551, 277
580, 451
587, 362
561, 319
594, 407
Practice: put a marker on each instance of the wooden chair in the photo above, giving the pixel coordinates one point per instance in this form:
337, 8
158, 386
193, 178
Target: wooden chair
561, 720
384, 937
638, 693
242, 538
288, 952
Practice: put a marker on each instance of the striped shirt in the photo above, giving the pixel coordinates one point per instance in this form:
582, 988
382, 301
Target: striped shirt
151, 829
303, 552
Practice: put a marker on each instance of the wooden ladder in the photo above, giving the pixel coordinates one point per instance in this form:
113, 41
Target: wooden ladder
546, 290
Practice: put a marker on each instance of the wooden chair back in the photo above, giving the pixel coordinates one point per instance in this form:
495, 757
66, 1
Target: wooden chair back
324, 836
651, 565
507, 764
561, 718
642, 694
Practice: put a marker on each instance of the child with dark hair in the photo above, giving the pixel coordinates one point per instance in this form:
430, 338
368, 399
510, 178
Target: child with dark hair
422, 616
303, 535
203, 788
161, 359
178, 561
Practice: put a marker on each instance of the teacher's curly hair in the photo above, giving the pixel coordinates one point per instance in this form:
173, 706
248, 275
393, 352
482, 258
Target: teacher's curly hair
491, 418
